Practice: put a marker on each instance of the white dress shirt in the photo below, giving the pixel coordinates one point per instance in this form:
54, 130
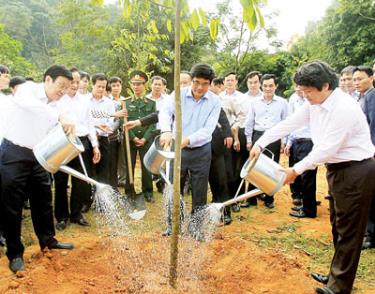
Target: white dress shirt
231, 103
339, 131
105, 105
245, 102
160, 103
295, 103
28, 116
78, 110
264, 114
4, 104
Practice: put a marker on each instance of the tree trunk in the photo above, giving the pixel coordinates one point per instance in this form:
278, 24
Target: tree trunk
177, 160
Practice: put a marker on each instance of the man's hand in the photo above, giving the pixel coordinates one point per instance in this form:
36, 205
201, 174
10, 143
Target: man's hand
185, 142
132, 124
140, 142
248, 146
166, 140
97, 155
67, 125
255, 151
287, 150
290, 176
120, 113
228, 142
236, 145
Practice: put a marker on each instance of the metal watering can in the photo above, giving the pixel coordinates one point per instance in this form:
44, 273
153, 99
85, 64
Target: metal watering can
157, 160
57, 149
264, 173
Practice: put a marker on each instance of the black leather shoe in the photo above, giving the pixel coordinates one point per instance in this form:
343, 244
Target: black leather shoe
320, 278
167, 232
297, 202
245, 204
297, 208
85, 208
300, 214
269, 205
149, 197
235, 207
81, 222
61, 245
17, 265
367, 245
324, 290
61, 225
2, 240
227, 220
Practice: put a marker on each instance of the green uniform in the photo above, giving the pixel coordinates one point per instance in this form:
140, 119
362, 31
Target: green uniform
138, 108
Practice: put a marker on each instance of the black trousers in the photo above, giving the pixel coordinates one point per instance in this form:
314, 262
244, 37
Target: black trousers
295, 188
146, 175
21, 174
113, 163
352, 188
275, 149
197, 161
306, 182
239, 159
101, 169
80, 192
371, 223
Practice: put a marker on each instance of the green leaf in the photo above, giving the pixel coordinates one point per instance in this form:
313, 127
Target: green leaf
260, 16
203, 17
97, 2
214, 28
127, 9
169, 25
195, 19
154, 28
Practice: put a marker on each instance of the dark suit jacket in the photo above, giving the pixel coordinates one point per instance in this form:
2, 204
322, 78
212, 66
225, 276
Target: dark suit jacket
369, 110
221, 132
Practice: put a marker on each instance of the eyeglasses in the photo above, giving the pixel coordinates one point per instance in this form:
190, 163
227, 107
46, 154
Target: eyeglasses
203, 85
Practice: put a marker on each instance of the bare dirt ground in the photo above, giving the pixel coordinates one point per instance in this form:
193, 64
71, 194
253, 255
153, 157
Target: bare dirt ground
262, 251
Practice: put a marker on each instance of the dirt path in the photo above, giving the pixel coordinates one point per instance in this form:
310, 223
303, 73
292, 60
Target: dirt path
262, 251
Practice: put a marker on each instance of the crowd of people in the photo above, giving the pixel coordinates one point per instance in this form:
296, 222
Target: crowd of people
329, 119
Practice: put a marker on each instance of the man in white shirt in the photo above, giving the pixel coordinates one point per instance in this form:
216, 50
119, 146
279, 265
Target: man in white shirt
4, 82
77, 108
28, 120
342, 141
104, 125
298, 146
264, 113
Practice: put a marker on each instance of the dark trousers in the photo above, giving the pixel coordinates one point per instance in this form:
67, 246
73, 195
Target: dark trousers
101, 169
295, 188
146, 175
239, 159
113, 163
306, 182
80, 192
275, 149
371, 223
197, 161
21, 174
352, 188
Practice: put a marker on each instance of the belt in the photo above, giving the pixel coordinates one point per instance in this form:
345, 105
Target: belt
193, 148
345, 164
303, 140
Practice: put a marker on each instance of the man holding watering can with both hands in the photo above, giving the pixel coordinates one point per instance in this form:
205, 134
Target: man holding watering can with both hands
342, 142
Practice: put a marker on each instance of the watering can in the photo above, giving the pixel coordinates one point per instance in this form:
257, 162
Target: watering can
57, 149
264, 173
157, 160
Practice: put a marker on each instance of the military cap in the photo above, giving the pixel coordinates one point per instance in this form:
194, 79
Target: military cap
138, 76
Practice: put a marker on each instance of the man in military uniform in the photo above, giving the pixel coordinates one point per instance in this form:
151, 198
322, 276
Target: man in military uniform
141, 138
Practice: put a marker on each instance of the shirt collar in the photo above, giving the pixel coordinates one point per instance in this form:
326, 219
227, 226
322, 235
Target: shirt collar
41, 92
328, 104
189, 94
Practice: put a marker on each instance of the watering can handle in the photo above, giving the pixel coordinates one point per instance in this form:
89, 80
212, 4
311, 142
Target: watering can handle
272, 155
